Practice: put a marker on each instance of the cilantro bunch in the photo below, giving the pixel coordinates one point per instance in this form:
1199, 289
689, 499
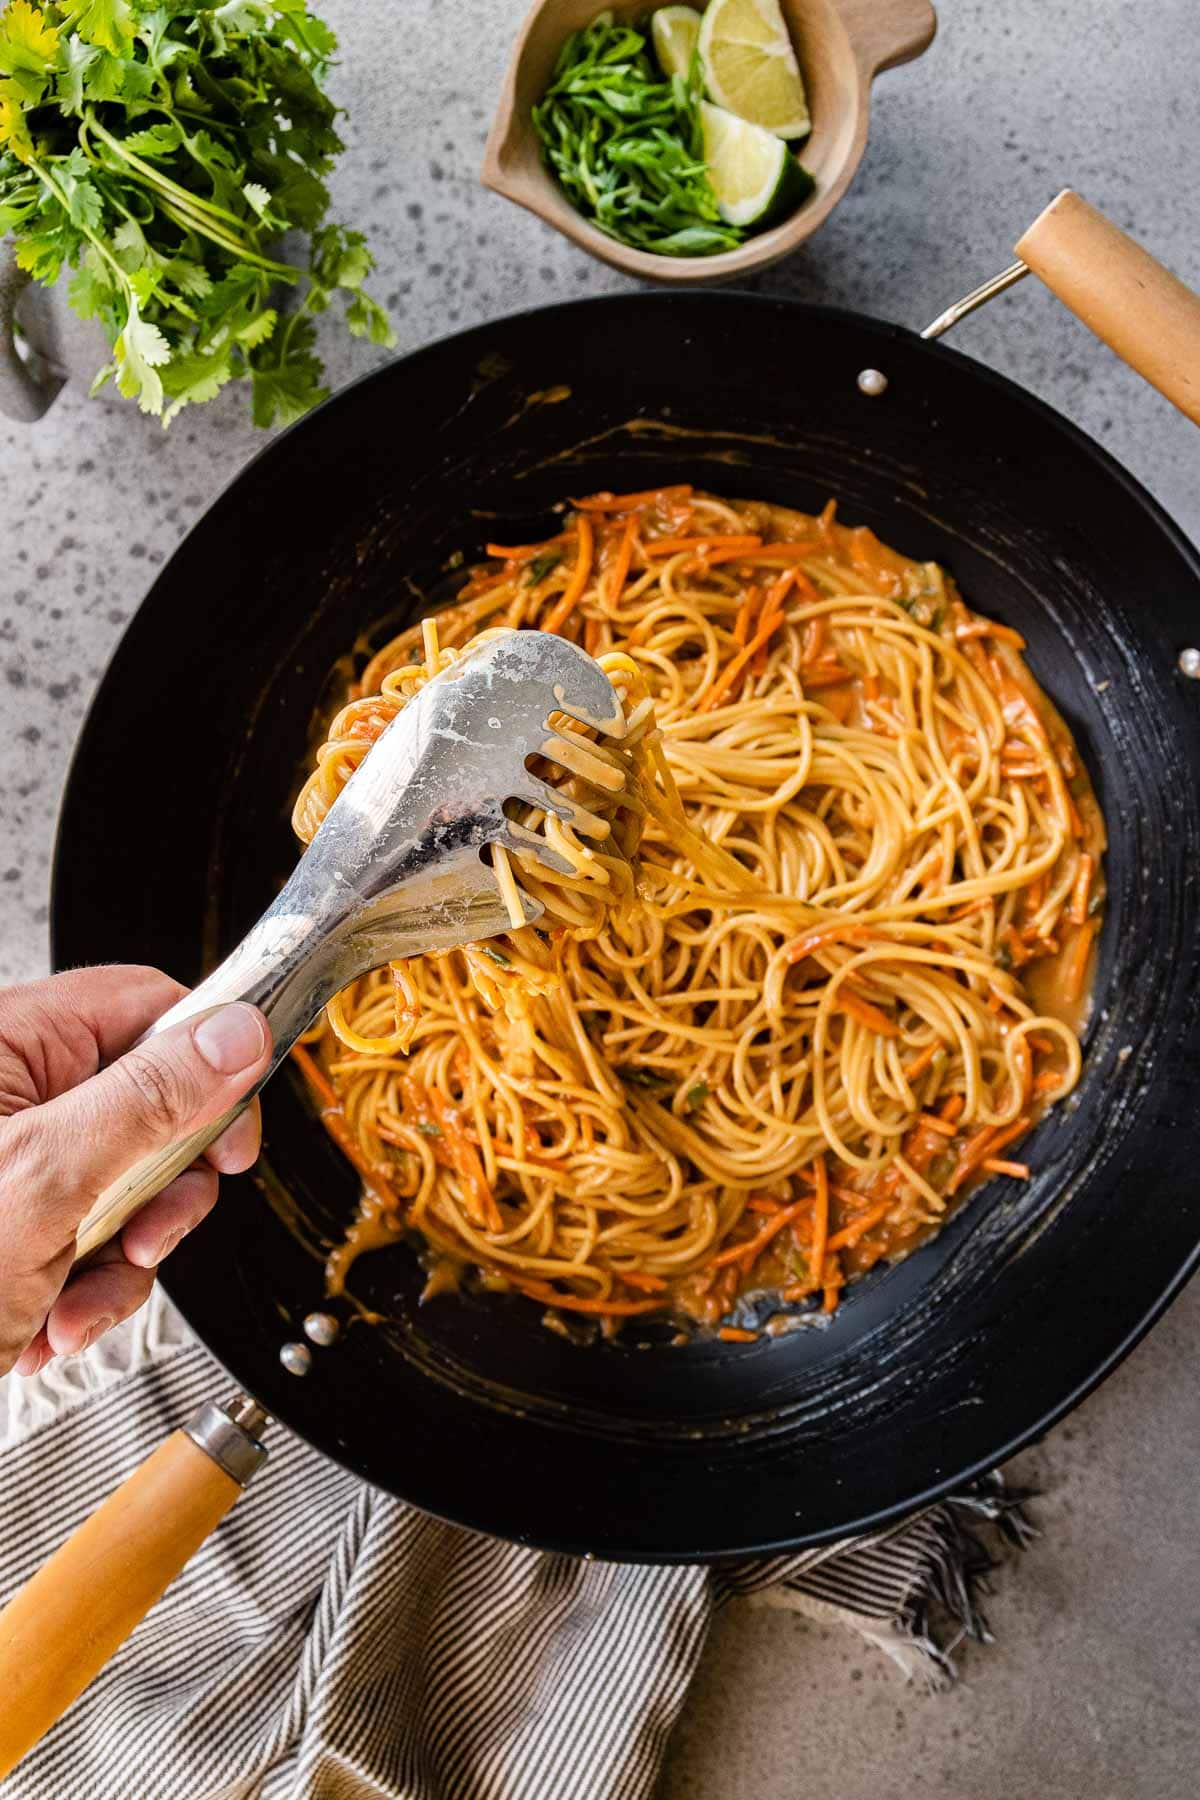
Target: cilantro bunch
627, 144
161, 153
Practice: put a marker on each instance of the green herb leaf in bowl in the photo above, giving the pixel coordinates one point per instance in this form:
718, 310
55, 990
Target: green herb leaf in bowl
627, 145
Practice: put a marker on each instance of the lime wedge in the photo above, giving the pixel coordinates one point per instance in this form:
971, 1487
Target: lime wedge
750, 66
675, 30
751, 171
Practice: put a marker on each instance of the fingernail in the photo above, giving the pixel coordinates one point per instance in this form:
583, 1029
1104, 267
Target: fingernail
232, 1039
32, 1362
168, 1244
98, 1330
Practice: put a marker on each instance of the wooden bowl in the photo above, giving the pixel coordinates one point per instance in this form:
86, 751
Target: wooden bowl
842, 45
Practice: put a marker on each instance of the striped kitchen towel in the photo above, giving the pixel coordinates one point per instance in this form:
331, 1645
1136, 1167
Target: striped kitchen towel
330, 1643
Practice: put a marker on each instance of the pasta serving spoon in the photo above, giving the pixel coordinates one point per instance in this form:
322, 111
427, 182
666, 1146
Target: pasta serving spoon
398, 867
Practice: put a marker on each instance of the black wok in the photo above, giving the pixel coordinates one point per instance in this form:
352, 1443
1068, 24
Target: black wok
934, 1368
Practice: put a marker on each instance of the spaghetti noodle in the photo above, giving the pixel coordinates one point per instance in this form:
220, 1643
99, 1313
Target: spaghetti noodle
821, 975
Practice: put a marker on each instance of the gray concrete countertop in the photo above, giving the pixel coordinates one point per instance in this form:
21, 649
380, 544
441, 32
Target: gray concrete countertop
1091, 1687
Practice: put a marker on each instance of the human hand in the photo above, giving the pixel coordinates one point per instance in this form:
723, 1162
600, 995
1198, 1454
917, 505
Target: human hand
78, 1107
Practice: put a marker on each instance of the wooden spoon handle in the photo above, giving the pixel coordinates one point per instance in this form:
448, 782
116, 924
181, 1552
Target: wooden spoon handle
59, 1630
1139, 309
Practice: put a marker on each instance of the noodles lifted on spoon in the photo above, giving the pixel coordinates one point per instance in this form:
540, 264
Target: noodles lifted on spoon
821, 971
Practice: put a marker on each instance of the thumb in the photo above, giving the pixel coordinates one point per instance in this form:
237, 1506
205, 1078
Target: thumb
68, 1151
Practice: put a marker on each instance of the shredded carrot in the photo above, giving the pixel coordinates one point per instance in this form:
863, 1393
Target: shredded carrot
1016, 947
1049, 1078
857, 1228
710, 559
1075, 969
750, 1248
866, 1014
822, 935
525, 552
980, 628
838, 700
741, 625
983, 1145
942, 1126
870, 687
820, 1230
952, 1107
650, 1284
607, 502
824, 675
571, 595
671, 546
621, 566
540, 1290
1077, 911
591, 636
769, 619
733, 1334
778, 555
919, 1064
464, 1157
996, 1165
337, 1125
760, 1205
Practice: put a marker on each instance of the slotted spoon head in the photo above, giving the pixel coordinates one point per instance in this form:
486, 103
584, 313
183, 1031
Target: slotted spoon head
432, 793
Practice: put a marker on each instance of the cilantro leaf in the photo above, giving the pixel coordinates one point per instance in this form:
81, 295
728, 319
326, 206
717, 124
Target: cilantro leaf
14, 133
156, 141
74, 61
84, 203
191, 379
92, 289
189, 278
258, 329
140, 351
108, 23
158, 154
28, 49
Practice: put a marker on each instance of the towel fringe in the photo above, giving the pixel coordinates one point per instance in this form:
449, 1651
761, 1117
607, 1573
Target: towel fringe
942, 1609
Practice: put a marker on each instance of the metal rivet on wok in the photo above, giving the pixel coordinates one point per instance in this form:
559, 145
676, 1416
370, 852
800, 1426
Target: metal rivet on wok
1189, 663
321, 1328
296, 1358
873, 382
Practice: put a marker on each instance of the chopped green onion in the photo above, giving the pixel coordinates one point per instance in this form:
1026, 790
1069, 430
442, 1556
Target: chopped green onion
541, 566
638, 1077
627, 145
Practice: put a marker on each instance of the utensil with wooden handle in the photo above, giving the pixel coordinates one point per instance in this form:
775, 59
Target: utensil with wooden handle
396, 869
1113, 286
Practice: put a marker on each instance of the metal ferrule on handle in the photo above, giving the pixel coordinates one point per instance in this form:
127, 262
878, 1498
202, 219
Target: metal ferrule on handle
59, 1630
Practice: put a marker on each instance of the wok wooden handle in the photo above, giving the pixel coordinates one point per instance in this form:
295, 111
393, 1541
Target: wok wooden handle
59, 1630
1138, 308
